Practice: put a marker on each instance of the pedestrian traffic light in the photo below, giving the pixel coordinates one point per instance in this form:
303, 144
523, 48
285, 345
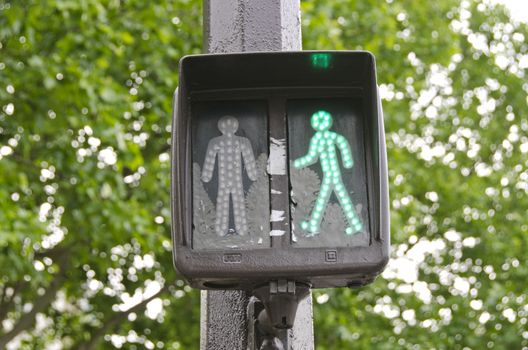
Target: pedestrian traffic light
279, 171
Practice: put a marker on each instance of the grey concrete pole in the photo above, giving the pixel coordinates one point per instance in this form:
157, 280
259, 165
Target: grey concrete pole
244, 26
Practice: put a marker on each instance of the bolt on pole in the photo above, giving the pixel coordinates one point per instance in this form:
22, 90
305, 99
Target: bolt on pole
249, 26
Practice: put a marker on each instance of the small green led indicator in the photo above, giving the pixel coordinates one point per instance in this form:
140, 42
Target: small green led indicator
322, 146
320, 60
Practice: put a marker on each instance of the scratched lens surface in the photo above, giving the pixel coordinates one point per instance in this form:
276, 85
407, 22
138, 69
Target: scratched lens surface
230, 183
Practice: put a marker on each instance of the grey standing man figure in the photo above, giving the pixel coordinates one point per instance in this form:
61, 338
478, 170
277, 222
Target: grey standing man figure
232, 150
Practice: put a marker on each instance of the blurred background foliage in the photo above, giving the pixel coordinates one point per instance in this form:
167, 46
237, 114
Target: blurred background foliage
85, 105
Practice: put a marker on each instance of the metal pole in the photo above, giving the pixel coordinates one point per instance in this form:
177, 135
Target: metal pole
244, 26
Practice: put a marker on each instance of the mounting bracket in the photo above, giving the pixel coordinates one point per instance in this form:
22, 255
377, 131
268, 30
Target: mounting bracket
280, 299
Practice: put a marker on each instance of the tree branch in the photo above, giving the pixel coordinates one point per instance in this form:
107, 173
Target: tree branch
53, 253
27, 320
5, 302
115, 320
59, 254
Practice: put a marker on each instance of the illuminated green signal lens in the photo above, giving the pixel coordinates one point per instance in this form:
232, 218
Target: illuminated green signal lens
323, 144
321, 60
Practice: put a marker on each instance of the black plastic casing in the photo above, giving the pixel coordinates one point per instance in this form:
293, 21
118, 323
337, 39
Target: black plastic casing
286, 75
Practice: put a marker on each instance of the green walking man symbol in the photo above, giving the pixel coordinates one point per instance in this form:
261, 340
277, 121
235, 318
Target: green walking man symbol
323, 146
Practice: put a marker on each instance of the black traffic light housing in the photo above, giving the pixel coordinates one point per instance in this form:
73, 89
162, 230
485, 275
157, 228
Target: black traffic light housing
245, 131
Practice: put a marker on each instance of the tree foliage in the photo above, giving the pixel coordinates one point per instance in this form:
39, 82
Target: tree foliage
85, 106
453, 78
85, 128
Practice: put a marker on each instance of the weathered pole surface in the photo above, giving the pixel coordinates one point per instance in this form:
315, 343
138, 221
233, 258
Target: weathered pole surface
249, 26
